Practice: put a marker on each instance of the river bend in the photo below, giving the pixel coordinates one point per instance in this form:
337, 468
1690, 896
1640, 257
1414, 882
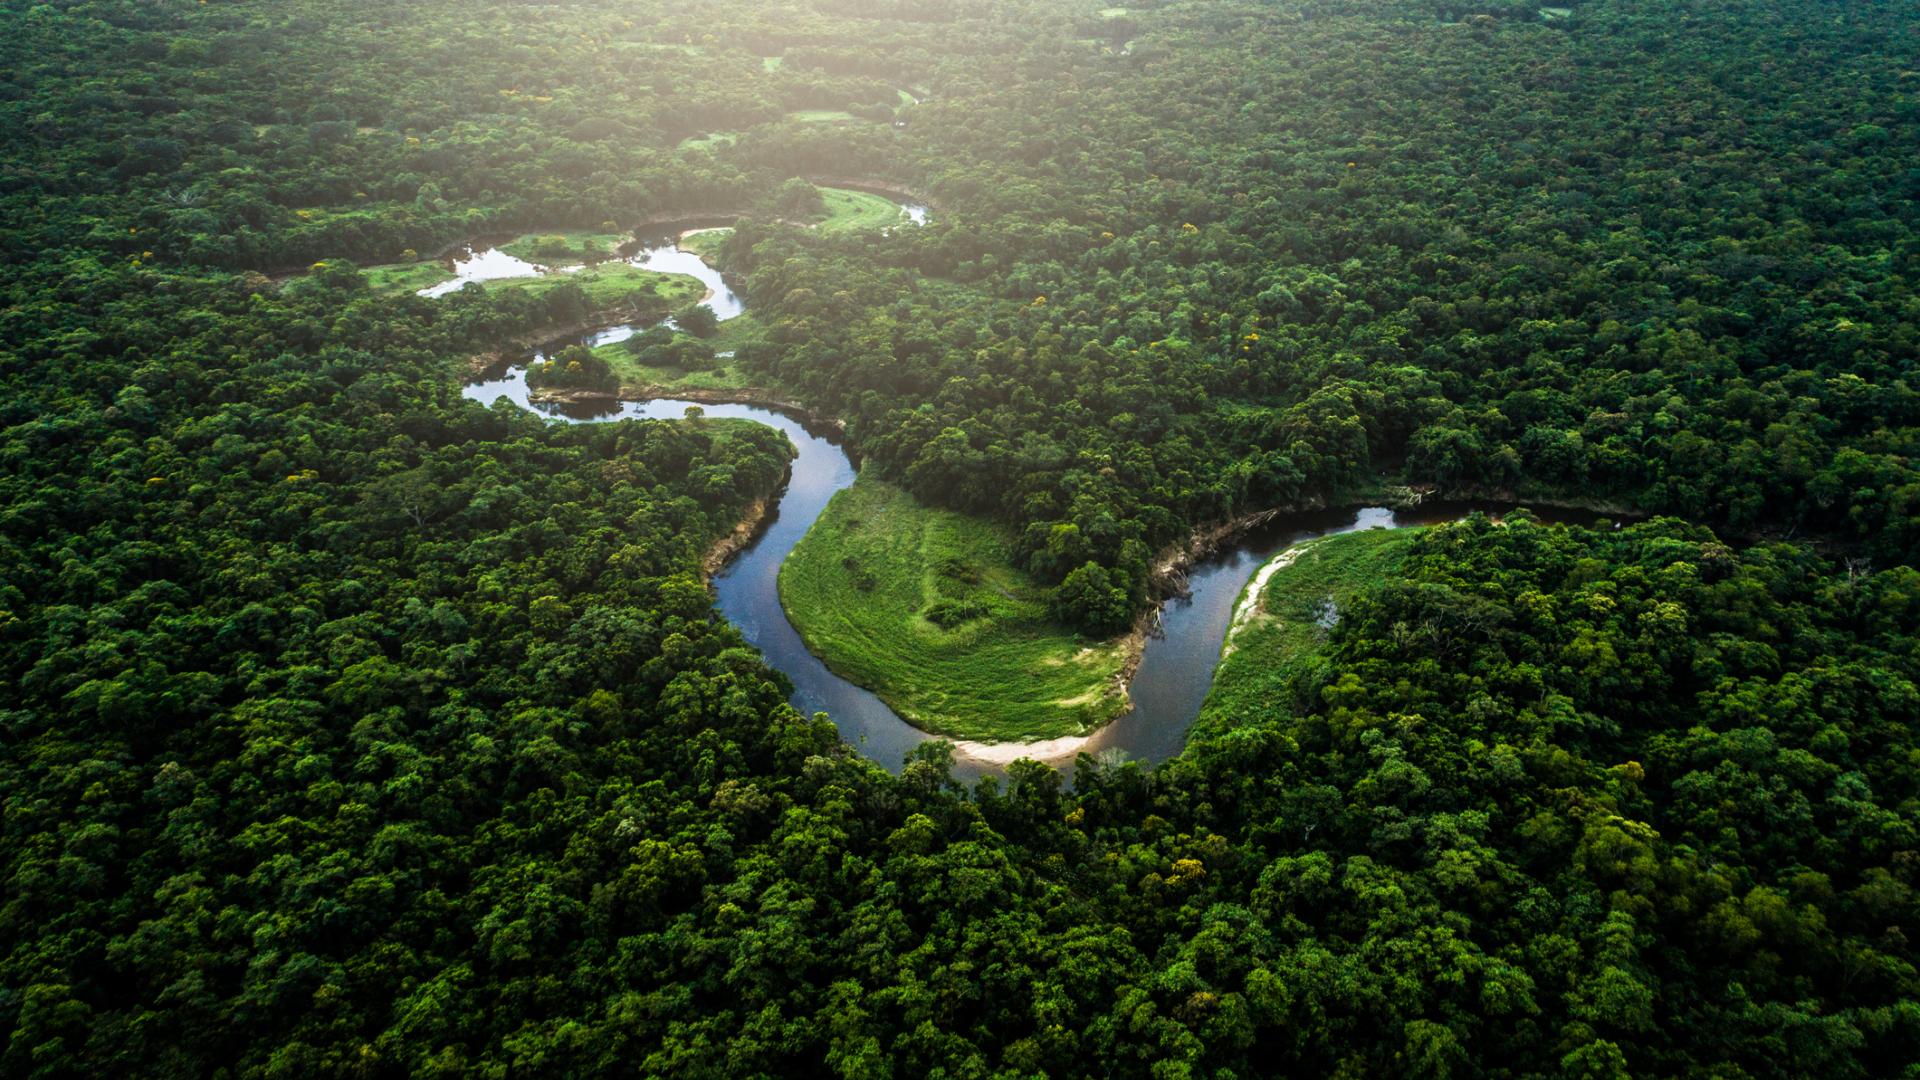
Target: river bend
1176, 669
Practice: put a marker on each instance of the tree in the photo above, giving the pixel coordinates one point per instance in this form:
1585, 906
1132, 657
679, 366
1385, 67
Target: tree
697, 319
1090, 599
798, 199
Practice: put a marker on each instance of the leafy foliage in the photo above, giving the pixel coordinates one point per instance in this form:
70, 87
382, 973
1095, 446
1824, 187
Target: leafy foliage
350, 727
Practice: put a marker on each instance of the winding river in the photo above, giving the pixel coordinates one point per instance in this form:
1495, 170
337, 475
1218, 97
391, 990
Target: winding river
657, 251
1176, 670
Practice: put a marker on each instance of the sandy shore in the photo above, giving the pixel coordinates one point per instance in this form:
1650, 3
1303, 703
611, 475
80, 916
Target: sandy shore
1006, 753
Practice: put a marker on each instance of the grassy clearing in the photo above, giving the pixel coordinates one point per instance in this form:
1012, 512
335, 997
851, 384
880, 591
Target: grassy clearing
1281, 640
663, 46
858, 211
772, 63
612, 283
821, 116
712, 140
564, 249
1112, 12
923, 607
406, 277
722, 374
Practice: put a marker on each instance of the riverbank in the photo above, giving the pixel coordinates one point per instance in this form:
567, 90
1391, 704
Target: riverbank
753, 396
745, 531
1282, 618
1168, 579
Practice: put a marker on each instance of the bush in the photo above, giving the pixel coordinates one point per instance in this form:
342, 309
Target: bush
697, 319
573, 368
948, 614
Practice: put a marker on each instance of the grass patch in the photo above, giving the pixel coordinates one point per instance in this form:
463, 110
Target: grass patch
723, 373
564, 249
858, 211
705, 242
712, 140
663, 46
1112, 12
612, 283
924, 607
406, 277
1269, 654
821, 116
771, 63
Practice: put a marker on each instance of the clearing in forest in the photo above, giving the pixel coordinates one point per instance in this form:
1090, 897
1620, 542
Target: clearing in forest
858, 211
925, 608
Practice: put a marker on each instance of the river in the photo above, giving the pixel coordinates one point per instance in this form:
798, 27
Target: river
659, 251
1176, 669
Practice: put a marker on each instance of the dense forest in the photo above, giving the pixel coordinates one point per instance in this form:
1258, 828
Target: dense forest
351, 727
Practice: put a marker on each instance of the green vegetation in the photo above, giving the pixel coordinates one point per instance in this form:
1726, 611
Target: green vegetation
712, 140
565, 248
547, 249
705, 243
675, 47
857, 211
1277, 636
608, 284
922, 607
605, 285
737, 333
352, 728
820, 116
574, 368
663, 360
693, 373
409, 277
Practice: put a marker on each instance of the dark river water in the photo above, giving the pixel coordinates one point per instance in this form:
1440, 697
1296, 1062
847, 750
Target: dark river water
1176, 670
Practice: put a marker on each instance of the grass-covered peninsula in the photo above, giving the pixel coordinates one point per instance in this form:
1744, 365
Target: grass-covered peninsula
856, 211
924, 607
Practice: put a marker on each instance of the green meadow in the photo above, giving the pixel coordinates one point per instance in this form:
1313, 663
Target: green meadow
606, 284
613, 283
858, 211
705, 243
406, 277
820, 116
722, 373
924, 607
